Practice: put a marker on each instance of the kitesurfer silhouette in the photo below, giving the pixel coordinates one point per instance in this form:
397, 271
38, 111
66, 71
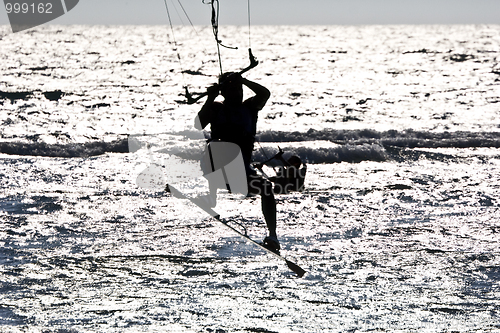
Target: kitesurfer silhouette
235, 120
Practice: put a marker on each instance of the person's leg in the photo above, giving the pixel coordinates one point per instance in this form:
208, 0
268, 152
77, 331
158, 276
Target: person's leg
269, 208
264, 188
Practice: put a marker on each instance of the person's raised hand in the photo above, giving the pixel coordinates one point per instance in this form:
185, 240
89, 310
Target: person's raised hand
213, 91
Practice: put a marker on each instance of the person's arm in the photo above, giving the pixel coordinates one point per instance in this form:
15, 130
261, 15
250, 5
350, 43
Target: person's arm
203, 117
262, 94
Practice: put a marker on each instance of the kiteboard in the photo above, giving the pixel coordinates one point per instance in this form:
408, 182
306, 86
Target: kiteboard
293, 266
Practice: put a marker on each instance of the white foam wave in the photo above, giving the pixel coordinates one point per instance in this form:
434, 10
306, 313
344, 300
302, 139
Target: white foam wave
407, 138
313, 146
64, 150
339, 153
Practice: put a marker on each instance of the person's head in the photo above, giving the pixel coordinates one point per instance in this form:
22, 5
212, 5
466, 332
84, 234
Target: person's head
231, 88
295, 161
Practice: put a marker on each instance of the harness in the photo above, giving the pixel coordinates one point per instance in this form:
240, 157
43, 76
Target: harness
236, 125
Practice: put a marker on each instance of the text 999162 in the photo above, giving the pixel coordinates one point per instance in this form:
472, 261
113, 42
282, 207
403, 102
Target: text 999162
25, 8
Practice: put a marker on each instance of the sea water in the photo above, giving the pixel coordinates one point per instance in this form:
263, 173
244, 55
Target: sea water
398, 227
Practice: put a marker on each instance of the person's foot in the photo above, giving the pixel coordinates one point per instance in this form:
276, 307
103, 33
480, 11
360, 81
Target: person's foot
272, 243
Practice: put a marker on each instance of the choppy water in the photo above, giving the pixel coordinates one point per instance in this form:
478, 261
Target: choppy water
398, 229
